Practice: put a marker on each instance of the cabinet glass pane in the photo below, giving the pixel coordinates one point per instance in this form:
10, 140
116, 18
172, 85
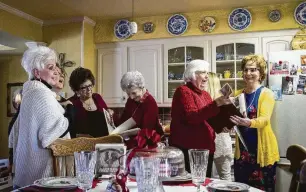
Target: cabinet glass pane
240, 84
176, 55
176, 72
225, 52
172, 87
225, 69
244, 49
194, 53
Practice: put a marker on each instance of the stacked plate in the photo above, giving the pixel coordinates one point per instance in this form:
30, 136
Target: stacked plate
57, 182
227, 186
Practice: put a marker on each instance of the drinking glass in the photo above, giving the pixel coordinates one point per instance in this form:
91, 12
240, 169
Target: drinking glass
198, 159
85, 162
147, 171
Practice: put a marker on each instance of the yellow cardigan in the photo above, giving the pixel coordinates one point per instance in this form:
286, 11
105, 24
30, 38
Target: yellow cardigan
267, 152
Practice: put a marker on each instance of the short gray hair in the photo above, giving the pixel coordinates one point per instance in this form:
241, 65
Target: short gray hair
132, 79
37, 58
192, 67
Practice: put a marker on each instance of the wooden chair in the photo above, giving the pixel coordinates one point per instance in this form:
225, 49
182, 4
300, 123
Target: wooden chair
62, 151
296, 154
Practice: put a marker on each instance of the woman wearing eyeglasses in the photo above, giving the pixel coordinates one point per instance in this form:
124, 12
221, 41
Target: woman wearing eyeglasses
257, 165
90, 120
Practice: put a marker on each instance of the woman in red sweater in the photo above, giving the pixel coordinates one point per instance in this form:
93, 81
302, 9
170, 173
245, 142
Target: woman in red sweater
191, 107
141, 105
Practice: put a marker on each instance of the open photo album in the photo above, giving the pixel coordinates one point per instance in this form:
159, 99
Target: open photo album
124, 129
237, 107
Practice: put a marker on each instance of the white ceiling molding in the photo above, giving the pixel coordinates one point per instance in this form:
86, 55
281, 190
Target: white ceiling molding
20, 13
70, 20
89, 21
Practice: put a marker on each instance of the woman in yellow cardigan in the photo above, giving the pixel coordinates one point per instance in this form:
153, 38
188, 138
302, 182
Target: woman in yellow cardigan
257, 166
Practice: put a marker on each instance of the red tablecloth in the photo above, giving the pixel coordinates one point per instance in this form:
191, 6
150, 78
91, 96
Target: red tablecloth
94, 184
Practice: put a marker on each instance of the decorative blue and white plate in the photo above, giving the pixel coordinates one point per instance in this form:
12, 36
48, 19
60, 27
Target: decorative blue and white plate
300, 13
122, 29
239, 19
177, 24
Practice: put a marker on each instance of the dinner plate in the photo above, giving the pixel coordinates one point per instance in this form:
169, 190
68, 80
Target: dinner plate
227, 186
57, 182
182, 178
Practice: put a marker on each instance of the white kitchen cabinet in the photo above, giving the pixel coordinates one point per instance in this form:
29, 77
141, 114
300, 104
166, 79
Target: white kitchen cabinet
147, 59
273, 44
177, 55
227, 56
112, 64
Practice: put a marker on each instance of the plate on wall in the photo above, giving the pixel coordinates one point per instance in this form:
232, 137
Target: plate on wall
239, 19
300, 14
207, 24
122, 29
275, 16
177, 24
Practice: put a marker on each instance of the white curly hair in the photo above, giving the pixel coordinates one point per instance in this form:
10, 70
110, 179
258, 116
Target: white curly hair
193, 66
132, 79
37, 58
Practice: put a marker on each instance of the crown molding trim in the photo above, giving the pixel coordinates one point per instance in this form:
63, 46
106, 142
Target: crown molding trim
70, 20
20, 14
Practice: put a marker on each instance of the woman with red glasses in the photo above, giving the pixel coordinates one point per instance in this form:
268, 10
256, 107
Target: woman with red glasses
256, 166
90, 120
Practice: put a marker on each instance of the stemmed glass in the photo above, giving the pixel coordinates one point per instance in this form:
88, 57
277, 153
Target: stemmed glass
198, 159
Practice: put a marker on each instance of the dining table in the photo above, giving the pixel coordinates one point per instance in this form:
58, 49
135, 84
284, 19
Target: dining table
99, 185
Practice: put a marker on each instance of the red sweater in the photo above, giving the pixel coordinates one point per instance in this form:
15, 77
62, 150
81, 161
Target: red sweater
145, 113
191, 107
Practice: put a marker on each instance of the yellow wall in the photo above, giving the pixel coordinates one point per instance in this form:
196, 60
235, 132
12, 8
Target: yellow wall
11, 72
65, 38
20, 27
89, 49
104, 30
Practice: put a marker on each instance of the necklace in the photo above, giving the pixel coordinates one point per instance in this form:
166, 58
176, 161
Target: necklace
87, 105
252, 99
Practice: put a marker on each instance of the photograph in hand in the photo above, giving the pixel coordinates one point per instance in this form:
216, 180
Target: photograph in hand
226, 90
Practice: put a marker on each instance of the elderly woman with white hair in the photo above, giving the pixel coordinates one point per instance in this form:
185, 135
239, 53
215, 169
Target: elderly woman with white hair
191, 108
41, 119
140, 106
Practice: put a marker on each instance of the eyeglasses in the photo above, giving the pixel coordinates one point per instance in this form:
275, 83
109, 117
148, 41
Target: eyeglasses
252, 70
86, 87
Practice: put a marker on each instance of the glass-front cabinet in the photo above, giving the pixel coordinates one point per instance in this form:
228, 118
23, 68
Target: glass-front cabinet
227, 56
177, 57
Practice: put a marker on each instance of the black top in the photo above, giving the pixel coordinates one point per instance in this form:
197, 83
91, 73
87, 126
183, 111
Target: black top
96, 124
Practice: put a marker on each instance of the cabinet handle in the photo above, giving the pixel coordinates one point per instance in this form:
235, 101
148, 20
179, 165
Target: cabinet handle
123, 98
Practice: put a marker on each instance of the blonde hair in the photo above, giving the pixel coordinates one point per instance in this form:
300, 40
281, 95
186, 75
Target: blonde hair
260, 63
214, 86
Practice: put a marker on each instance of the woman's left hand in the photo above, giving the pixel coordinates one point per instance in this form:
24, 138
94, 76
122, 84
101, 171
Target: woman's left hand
246, 122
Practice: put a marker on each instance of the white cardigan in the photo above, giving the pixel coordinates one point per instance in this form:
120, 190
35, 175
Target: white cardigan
40, 122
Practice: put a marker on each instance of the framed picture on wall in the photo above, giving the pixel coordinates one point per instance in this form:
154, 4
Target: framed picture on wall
13, 97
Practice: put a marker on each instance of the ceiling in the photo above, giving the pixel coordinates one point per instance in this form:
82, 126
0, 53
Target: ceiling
102, 9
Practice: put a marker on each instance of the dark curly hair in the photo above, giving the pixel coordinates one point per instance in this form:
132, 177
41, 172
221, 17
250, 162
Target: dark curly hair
79, 76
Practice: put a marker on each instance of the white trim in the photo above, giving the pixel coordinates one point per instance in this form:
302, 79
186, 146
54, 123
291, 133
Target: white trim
21, 14
82, 44
89, 21
70, 20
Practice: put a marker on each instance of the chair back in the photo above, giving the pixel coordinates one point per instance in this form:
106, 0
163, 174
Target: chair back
63, 151
296, 154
